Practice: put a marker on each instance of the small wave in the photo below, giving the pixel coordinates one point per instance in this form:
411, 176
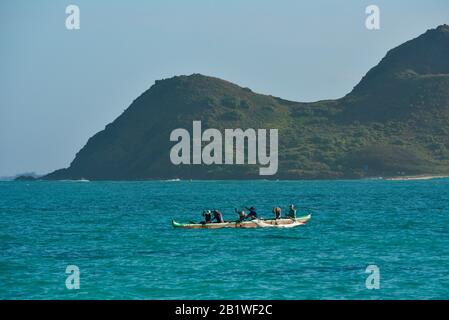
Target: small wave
263, 224
79, 180
173, 180
417, 177
279, 236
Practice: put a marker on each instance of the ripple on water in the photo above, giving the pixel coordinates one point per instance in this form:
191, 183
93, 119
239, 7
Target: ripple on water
120, 235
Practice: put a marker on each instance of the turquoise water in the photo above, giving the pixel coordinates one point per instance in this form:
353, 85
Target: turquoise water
119, 234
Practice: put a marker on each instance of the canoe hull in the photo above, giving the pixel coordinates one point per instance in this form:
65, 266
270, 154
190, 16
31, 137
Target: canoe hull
243, 224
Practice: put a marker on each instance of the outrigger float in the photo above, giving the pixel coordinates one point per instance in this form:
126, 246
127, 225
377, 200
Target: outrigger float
256, 223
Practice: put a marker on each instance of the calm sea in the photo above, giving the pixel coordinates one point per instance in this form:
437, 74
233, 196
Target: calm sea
119, 235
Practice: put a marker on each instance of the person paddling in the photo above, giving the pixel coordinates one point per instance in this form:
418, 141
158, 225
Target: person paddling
277, 212
291, 211
242, 215
207, 216
218, 216
252, 213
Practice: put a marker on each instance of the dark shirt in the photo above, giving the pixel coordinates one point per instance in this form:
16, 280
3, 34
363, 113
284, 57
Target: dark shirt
218, 217
252, 213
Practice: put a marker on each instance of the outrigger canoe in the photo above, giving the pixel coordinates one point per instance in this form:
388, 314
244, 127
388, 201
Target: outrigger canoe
257, 223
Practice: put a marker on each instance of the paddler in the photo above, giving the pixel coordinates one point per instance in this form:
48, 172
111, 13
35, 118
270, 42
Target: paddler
291, 211
241, 213
252, 213
207, 216
218, 216
277, 212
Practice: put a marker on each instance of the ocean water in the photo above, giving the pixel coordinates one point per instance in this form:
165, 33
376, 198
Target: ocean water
120, 236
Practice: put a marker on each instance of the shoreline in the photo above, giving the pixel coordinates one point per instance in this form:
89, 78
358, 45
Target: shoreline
416, 177
392, 178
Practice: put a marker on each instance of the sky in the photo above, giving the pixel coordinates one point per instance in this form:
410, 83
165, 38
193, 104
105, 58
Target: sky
59, 87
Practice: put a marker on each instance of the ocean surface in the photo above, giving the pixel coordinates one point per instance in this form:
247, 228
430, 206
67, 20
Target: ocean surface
119, 235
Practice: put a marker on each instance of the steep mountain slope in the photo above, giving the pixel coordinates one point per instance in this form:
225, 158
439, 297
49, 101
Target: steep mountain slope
412, 78
395, 121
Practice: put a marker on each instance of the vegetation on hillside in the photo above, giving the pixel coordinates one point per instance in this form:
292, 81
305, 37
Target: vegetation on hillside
394, 122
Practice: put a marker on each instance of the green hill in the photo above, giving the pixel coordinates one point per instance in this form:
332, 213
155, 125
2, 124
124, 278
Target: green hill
394, 122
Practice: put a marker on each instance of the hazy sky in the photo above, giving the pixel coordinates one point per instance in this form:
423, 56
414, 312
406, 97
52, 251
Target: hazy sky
59, 87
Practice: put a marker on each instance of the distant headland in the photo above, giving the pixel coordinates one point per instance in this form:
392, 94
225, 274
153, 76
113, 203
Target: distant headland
395, 122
